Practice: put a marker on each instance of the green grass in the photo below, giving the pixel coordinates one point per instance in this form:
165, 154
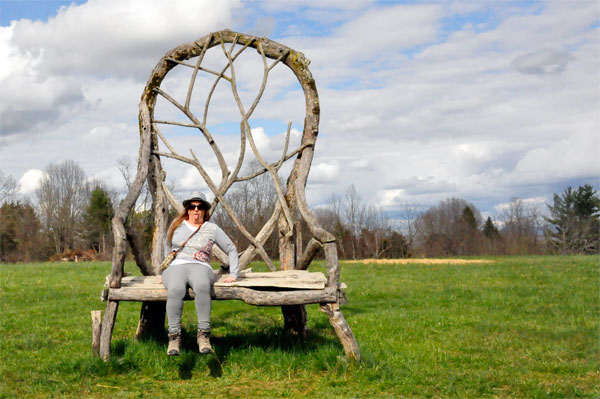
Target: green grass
522, 327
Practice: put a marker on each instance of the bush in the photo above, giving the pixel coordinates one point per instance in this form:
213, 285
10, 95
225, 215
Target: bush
76, 255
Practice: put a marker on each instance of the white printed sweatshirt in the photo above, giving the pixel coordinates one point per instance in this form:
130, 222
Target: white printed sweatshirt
199, 248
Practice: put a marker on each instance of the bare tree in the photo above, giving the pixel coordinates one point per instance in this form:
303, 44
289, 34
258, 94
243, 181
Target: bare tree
8, 188
446, 230
339, 229
376, 227
408, 217
354, 213
330, 217
521, 228
361, 231
126, 167
62, 196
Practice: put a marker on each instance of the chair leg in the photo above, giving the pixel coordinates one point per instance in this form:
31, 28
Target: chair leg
108, 324
294, 319
342, 330
96, 330
152, 320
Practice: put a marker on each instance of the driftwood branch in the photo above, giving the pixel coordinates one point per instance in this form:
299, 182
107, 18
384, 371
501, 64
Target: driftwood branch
244, 115
136, 247
172, 200
309, 253
126, 205
194, 74
214, 86
202, 127
342, 330
218, 74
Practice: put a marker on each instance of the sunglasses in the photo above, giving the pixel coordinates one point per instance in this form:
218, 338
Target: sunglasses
196, 207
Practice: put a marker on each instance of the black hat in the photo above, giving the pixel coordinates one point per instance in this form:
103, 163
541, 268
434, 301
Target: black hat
199, 197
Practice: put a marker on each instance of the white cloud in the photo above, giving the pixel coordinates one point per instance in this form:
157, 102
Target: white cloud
324, 172
566, 159
17, 61
413, 108
391, 198
30, 181
48, 65
530, 202
191, 180
260, 138
117, 37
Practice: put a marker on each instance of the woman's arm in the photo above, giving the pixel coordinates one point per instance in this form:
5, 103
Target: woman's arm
225, 243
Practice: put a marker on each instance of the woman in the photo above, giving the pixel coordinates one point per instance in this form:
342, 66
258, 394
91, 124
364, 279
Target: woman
191, 267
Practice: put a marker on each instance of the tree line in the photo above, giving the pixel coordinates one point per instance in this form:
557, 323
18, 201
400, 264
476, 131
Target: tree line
69, 218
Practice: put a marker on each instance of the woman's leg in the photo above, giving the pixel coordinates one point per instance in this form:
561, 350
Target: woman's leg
175, 279
201, 279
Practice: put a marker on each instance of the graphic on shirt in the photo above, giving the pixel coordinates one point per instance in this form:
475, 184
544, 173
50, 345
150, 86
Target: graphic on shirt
204, 254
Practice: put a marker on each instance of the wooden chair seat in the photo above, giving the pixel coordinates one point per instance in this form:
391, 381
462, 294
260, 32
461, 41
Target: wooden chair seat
287, 287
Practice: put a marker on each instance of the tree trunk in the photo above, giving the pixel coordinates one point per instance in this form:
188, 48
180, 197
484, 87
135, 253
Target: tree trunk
294, 319
294, 316
152, 321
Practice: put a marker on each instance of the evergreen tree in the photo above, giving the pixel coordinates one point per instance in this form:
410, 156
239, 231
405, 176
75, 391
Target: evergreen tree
469, 217
21, 239
575, 220
97, 220
489, 229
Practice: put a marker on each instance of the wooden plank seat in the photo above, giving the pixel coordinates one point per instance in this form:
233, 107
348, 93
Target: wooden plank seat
287, 287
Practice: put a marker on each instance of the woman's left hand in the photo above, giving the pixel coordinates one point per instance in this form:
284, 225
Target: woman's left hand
229, 279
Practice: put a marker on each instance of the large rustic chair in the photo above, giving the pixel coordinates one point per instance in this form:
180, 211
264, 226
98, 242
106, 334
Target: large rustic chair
290, 287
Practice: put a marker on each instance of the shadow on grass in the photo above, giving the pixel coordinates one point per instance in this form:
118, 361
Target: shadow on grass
127, 356
119, 347
271, 338
187, 361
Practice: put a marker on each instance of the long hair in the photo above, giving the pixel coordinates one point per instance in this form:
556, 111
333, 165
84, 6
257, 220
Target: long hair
180, 218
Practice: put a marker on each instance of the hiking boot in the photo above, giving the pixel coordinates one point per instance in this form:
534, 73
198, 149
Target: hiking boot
204, 341
174, 342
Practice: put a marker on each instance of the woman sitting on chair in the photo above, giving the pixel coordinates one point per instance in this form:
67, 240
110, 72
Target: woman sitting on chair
191, 267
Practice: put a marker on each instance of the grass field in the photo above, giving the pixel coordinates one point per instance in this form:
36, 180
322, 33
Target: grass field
519, 327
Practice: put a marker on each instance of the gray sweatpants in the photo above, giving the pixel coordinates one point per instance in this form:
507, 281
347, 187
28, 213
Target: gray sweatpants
177, 278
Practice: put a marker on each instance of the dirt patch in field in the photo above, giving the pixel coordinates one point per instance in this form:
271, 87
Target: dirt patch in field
426, 261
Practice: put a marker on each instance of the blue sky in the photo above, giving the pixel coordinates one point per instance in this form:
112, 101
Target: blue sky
420, 101
30, 9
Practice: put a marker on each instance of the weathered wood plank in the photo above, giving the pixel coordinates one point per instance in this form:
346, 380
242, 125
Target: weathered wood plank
289, 279
300, 287
247, 295
297, 279
276, 298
